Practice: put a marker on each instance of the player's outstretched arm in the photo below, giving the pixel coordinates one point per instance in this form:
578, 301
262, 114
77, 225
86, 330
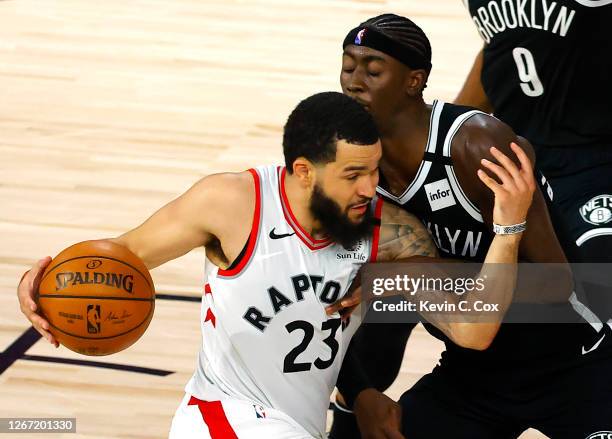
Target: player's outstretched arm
215, 208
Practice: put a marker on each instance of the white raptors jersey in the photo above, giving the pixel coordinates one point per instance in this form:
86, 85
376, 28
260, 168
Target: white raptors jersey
266, 336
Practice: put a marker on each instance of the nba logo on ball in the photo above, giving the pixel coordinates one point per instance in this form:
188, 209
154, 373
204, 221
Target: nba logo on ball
360, 36
93, 319
597, 210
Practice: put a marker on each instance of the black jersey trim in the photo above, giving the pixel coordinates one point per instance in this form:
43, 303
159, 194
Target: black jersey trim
239, 257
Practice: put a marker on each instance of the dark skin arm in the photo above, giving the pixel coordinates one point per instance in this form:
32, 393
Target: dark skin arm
472, 144
472, 93
539, 243
404, 236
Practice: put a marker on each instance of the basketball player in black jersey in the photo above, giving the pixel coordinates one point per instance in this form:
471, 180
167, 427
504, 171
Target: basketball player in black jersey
545, 70
530, 375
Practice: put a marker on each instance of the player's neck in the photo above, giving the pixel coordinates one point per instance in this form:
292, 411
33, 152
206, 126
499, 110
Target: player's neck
404, 141
299, 203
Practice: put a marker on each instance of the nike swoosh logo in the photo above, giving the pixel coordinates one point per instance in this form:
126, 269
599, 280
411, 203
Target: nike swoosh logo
269, 255
595, 346
282, 235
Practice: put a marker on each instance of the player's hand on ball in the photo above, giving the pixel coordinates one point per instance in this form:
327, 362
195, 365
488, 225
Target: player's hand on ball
513, 188
26, 292
378, 416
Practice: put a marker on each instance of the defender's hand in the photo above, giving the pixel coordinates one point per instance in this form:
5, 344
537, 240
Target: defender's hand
346, 305
26, 293
513, 196
378, 416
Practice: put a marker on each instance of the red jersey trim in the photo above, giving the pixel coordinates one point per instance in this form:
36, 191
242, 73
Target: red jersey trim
311, 243
254, 231
376, 232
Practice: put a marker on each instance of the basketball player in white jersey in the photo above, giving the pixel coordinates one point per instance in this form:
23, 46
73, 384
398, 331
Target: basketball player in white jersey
282, 243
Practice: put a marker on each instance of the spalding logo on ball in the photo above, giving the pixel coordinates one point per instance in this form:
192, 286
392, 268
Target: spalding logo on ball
98, 297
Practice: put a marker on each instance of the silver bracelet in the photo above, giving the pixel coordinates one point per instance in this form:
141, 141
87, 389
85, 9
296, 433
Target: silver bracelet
509, 230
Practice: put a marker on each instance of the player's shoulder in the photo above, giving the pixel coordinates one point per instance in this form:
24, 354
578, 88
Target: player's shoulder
482, 127
478, 134
226, 189
224, 202
228, 181
395, 215
396, 222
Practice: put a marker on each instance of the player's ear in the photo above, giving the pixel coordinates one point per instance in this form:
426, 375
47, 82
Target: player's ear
416, 80
305, 171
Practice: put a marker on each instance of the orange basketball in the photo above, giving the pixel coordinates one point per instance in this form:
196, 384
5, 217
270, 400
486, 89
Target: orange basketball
97, 296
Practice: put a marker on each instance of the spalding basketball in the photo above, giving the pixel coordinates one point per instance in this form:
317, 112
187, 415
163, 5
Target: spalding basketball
97, 296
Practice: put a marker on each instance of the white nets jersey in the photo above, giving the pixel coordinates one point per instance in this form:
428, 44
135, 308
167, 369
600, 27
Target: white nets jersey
266, 336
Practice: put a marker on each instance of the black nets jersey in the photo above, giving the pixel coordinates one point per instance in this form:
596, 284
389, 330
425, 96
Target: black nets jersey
435, 195
546, 71
456, 225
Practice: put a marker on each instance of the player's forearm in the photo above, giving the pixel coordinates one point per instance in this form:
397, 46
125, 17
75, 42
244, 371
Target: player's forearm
472, 93
477, 326
504, 249
152, 252
498, 275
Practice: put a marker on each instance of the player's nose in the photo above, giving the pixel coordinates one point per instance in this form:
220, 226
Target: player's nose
367, 188
354, 84
354, 89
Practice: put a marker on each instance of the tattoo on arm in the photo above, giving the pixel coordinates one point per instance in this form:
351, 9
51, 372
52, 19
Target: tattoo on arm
402, 235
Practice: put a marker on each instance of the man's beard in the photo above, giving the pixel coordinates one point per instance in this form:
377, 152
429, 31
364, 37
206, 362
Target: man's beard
336, 223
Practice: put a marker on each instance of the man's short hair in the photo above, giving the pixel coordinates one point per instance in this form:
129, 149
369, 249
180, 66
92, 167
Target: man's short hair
318, 122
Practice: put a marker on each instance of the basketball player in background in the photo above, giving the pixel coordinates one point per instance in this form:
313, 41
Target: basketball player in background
487, 390
546, 71
281, 244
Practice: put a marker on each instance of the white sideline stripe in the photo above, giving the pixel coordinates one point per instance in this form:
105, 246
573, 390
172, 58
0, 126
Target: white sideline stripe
594, 3
593, 233
586, 313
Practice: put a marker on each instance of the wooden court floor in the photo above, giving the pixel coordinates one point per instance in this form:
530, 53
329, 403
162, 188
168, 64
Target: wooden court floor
108, 110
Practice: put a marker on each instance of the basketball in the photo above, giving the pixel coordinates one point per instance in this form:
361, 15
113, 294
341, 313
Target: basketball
97, 296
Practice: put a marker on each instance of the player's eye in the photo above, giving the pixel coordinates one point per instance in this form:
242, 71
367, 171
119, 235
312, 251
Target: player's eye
352, 177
